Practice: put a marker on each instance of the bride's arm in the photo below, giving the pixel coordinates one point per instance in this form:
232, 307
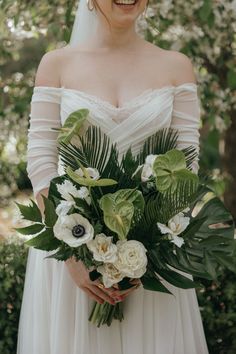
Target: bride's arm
186, 106
42, 157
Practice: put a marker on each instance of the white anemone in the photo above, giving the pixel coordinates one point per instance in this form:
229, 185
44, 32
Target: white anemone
73, 229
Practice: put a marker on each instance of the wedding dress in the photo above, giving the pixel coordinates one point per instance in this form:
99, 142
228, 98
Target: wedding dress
54, 312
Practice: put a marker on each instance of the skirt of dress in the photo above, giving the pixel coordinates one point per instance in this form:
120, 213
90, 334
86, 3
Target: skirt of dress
54, 318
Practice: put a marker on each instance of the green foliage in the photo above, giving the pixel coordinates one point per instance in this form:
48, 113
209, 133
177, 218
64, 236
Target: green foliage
119, 208
12, 273
170, 169
72, 125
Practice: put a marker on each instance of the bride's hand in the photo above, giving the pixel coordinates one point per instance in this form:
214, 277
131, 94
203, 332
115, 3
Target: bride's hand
80, 275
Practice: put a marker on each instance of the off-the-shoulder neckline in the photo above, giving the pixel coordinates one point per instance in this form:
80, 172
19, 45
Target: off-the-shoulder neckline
133, 100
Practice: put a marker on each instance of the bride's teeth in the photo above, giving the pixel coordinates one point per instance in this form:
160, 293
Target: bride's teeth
125, 2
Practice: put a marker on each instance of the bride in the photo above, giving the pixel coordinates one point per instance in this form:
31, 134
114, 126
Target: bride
132, 88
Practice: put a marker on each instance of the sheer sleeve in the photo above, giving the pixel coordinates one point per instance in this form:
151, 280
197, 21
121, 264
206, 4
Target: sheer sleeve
186, 118
42, 153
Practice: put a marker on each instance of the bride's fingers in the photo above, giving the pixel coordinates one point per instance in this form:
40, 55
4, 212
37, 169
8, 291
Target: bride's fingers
101, 294
110, 291
93, 296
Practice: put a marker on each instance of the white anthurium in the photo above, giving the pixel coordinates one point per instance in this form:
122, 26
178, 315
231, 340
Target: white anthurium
103, 249
73, 229
176, 226
110, 274
93, 172
132, 260
63, 207
67, 188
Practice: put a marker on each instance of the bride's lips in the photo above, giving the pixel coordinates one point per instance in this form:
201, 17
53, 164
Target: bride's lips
125, 4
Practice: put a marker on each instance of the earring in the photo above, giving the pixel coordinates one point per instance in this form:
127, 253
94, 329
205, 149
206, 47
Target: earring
90, 5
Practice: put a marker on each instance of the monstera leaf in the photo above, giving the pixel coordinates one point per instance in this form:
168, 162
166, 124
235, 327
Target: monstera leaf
72, 125
170, 169
119, 208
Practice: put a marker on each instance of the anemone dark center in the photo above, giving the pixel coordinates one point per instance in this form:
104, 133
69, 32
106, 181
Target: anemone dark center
78, 230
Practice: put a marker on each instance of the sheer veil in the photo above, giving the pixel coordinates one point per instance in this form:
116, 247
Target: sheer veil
85, 24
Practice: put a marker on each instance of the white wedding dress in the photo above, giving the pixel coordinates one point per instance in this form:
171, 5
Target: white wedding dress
54, 312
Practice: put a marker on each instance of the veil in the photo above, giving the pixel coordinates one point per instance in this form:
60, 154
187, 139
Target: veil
85, 24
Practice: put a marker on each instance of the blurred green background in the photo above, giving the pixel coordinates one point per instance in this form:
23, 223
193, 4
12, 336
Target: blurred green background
206, 32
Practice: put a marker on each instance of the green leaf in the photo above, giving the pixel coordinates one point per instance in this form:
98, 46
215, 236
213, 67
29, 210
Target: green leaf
30, 212
89, 182
117, 215
72, 125
154, 284
30, 230
159, 143
49, 212
228, 262
170, 168
231, 78
119, 209
44, 241
210, 266
177, 279
62, 254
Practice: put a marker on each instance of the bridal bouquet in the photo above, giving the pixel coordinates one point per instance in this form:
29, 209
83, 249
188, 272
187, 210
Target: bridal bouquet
146, 217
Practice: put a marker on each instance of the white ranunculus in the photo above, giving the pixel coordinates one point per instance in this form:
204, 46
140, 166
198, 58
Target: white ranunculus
93, 172
103, 249
132, 259
64, 207
110, 274
73, 229
176, 226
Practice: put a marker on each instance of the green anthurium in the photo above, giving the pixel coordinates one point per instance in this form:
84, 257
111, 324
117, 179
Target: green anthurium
170, 169
72, 125
88, 181
119, 209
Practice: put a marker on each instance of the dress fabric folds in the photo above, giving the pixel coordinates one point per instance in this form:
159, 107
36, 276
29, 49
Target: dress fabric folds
54, 311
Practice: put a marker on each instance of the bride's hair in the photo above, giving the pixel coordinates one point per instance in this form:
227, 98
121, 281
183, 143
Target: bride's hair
98, 7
